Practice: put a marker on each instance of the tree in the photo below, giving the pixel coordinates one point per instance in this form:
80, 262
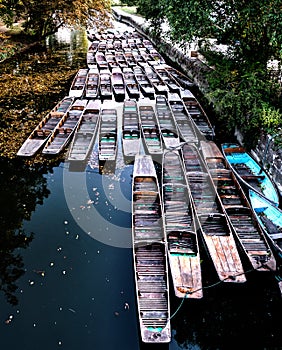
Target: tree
45, 17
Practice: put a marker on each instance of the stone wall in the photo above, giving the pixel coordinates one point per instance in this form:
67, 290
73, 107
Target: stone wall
195, 68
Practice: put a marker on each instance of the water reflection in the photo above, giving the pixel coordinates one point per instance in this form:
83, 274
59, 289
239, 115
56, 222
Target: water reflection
22, 188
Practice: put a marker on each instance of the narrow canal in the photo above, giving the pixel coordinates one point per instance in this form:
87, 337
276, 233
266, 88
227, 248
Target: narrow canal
66, 262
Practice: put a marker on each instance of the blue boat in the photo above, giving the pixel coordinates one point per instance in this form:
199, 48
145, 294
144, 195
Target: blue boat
249, 172
270, 218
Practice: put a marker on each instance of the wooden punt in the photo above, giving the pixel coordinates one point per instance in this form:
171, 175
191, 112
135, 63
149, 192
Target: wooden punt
249, 172
150, 128
149, 254
145, 85
197, 113
44, 129
159, 85
118, 84
213, 224
131, 84
180, 77
77, 88
131, 134
180, 229
121, 61
101, 60
168, 79
92, 83
270, 219
168, 127
185, 125
85, 132
106, 89
249, 234
108, 134
111, 60
63, 132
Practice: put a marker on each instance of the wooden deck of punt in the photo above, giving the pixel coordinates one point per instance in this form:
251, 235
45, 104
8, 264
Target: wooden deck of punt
63, 132
77, 88
108, 134
85, 132
213, 223
92, 83
131, 134
145, 85
270, 219
118, 84
131, 84
44, 129
149, 254
101, 60
106, 89
159, 85
197, 113
180, 229
168, 127
186, 127
249, 172
239, 211
150, 129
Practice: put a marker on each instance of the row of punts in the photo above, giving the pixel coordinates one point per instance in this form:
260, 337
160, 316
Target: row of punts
218, 199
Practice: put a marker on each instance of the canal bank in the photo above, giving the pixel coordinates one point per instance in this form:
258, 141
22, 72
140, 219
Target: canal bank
188, 60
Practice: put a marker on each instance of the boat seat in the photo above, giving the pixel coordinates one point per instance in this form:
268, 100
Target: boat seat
277, 235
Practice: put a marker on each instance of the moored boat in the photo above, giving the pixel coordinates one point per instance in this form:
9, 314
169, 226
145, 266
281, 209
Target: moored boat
150, 128
249, 234
199, 116
108, 134
92, 83
145, 85
77, 88
101, 60
131, 84
270, 219
185, 125
106, 89
249, 172
63, 132
213, 224
180, 229
181, 78
131, 134
159, 85
118, 84
44, 129
149, 254
167, 123
85, 132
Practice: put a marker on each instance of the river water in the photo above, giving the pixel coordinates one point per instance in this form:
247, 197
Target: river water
66, 262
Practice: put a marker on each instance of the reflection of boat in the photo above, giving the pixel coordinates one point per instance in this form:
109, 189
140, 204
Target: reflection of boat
180, 229
214, 226
150, 129
131, 140
118, 84
92, 83
185, 125
108, 134
167, 123
149, 253
239, 211
43, 130
249, 172
270, 219
198, 114
85, 132
64, 131
77, 88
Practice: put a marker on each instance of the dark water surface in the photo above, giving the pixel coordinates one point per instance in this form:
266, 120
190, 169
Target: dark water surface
66, 248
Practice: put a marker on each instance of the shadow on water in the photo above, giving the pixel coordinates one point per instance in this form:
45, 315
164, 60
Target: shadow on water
22, 188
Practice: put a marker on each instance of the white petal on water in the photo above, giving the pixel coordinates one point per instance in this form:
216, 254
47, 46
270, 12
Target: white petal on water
65, 222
